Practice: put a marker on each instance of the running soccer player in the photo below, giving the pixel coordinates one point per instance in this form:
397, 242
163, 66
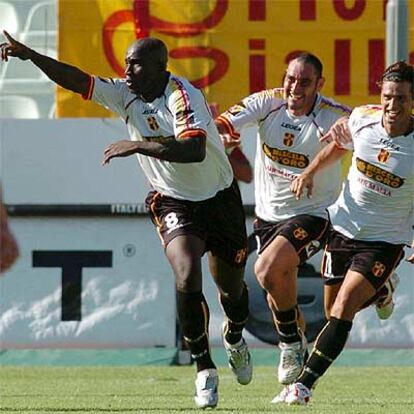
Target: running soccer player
290, 121
195, 203
372, 218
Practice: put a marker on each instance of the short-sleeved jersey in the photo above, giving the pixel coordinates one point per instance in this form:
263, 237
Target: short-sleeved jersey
180, 113
286, 145
377, 199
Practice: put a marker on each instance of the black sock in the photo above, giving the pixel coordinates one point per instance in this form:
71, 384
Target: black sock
329, 344
237, 313
287, 325
194, 316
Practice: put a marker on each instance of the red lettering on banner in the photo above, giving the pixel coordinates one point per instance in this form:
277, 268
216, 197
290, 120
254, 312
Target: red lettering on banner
257, 10
220, 59
144, 19
376, 64
144, 23
307, 10
109, 28
347, 13
257, 73
342, 77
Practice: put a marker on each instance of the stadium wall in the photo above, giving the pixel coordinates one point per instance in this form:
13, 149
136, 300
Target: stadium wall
92, 273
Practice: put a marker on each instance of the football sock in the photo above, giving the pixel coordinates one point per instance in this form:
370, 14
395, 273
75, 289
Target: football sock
329, 344
194, 316
287, 325
237, 313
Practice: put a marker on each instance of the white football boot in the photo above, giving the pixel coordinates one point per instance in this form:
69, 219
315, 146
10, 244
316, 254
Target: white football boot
292, 359
384, 305
206, 383
281, 397
239, 359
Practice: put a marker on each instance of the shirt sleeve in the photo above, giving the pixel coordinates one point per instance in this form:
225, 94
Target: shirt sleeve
108, 92
189, 110
250, 111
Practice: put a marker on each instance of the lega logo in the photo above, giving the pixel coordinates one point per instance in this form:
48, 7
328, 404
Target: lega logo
378, 269
383, 155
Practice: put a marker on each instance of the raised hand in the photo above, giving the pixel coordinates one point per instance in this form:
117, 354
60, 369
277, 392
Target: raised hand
122, 148
14, 48
339, 133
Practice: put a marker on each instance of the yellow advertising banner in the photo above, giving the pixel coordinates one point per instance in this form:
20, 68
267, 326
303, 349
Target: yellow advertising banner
230, 48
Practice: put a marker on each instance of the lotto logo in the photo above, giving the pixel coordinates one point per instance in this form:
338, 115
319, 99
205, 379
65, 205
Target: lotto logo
378, 269
300, 233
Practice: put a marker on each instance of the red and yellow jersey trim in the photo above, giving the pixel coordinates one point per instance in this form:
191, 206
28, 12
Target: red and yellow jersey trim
227, 126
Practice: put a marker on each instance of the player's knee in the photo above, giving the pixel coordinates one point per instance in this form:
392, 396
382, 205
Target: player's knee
343, 307
265, 274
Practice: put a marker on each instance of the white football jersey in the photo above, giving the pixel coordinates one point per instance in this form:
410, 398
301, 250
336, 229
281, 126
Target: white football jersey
286, 144
377, 199
180, 113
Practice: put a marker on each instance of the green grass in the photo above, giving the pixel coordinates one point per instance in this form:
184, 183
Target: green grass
155, 389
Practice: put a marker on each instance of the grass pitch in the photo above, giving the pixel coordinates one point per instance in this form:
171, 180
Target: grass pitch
164, 389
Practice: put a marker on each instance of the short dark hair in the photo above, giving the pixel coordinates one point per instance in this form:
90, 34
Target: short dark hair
398, 72
155, 48
309, 58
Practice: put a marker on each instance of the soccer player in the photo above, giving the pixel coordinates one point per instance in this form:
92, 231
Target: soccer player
9, 251
195, 203
291, 120
372, 218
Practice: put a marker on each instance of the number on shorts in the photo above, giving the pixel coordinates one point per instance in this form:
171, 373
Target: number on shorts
171, 220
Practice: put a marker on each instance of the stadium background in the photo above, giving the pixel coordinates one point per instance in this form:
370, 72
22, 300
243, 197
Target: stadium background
66, 209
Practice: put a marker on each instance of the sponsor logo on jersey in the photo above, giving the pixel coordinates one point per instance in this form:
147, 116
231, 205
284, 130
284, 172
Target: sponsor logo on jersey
383, 155
291, 159
235, 109
378, 269
379, 175
288, 139
290, 126
300, 233
152, 123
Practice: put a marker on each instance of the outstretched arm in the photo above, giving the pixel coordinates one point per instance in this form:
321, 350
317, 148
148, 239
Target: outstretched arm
325, 157
182, 151
67, 76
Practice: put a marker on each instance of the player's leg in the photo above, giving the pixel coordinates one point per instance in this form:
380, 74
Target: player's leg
370, 268
184, 246
276, 270
227, 243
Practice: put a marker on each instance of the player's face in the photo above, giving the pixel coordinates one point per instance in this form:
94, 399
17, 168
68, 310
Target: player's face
301, 85
397, 104
141, 73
